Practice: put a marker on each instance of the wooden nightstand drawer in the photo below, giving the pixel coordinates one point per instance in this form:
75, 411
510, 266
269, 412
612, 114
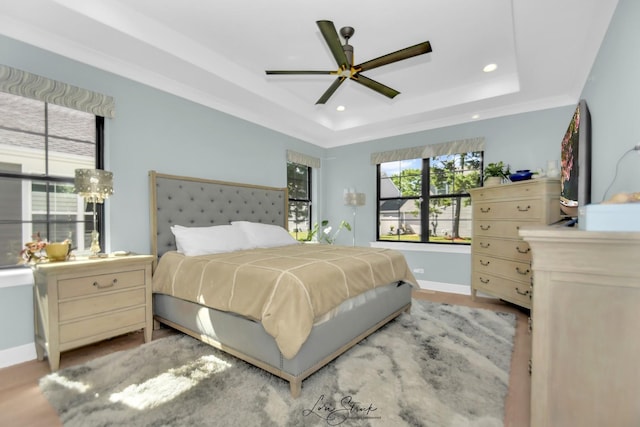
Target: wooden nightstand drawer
75, 308
83, 301
95, 284
97, 326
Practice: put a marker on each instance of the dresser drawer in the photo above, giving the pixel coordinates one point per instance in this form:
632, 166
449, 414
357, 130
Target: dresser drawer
506, 248
515, 292
97, 304
505, 229
101, 325
514, 270
96, 284
530, 209
526, 190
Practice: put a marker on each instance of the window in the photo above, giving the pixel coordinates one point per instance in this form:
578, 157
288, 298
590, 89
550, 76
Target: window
427, 200
41, 145
299, 188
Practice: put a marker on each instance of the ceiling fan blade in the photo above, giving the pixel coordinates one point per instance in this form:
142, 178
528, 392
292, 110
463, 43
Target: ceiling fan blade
280, 72
372, 84
406, 53
334, 86
330, 35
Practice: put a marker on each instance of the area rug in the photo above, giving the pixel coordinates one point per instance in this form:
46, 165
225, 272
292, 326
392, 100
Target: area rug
441, 365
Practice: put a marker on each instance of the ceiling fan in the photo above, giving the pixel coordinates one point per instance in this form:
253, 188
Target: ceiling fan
344, 58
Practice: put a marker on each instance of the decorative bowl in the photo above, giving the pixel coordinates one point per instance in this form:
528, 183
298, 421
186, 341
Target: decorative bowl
57, 251
521, 175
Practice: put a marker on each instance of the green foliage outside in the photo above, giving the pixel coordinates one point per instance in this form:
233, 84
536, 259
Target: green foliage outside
450, 176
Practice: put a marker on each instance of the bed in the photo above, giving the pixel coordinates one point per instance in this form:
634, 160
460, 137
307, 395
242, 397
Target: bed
186, 288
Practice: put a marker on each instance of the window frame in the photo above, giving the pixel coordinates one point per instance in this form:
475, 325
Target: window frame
48, 179
308, 200
425, 199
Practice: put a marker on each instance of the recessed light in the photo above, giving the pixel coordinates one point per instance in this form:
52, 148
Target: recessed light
475, 116
341, 108
489, 68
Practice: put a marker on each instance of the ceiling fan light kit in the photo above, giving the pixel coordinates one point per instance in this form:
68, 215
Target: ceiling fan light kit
343, 55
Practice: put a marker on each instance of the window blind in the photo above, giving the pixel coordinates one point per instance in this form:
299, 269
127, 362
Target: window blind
22, 83
303, 159
422, 152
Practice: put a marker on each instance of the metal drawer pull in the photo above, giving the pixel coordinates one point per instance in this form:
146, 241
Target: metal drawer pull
108, 285
485, 210
522, 293
485, 263
524, 273
485, 227
485, 281
521, 251
530, 324
485, 245
524, 209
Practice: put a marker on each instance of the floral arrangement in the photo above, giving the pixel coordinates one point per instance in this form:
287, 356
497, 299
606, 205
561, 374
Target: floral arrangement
323, 231
34, 250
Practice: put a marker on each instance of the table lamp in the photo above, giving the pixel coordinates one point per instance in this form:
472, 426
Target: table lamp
94, 185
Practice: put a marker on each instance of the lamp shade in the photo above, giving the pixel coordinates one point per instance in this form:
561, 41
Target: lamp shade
94, 185
354, 199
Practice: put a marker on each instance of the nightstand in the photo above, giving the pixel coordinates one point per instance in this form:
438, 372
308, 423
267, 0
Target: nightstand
83, 301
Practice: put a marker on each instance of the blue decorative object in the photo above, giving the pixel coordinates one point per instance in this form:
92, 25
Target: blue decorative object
521, 175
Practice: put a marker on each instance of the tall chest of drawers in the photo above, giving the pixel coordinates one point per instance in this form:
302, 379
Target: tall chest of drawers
88, 300
501, 260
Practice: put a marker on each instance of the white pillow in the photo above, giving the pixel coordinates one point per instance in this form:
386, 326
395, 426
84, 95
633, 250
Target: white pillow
193, 241
265, 235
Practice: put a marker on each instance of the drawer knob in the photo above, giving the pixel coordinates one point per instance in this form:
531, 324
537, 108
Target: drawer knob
521, 209
526, 251
524, 273
485, 227
485, 263
108, 285
483, 210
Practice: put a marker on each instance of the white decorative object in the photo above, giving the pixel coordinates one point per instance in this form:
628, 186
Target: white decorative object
354, 199
552, 169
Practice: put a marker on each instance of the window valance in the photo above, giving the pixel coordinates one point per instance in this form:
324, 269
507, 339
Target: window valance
303, 159
422, 152
22, 83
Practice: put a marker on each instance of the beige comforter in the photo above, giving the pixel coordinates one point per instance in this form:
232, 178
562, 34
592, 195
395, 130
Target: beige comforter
285, 288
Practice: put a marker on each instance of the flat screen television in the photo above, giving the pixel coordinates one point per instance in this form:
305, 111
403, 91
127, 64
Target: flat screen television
575, 162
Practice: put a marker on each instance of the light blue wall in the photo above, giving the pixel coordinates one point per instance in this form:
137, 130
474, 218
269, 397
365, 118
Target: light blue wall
613, 95
155, 130
524, 141
16, 316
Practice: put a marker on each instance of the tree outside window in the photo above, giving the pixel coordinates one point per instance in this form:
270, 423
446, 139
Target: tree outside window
427, 200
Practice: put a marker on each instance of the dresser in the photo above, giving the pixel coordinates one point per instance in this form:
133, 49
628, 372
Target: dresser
82, 301
501, 260
585, 336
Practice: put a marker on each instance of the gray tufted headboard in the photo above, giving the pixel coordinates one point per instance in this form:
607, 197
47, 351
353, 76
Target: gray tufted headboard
195, 202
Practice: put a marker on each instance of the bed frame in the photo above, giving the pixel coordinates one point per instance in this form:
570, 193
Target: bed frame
201, 202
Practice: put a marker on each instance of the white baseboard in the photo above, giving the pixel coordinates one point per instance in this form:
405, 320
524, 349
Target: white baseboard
445, 287
15, 355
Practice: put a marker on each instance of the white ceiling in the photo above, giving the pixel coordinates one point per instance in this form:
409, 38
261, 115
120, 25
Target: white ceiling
215, 53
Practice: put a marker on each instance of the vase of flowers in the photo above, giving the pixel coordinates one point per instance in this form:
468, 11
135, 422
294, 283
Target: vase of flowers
325, 233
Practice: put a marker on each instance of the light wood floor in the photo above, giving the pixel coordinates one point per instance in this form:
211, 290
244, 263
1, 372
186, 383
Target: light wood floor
22, 403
